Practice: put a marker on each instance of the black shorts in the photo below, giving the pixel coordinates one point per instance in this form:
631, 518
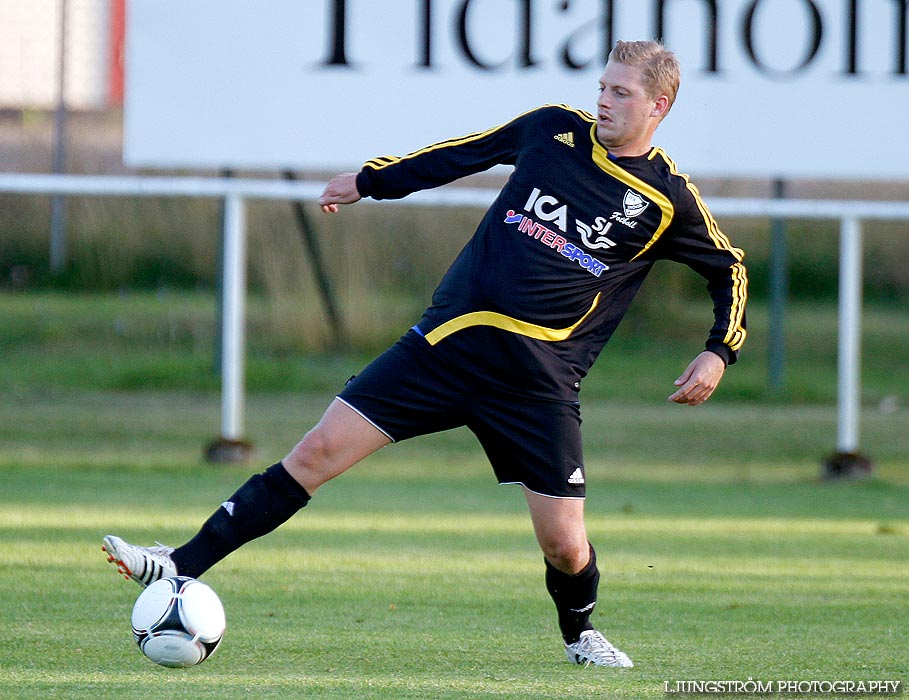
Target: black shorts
406, 392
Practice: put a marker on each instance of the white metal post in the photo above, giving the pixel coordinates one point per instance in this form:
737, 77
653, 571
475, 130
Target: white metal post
58, 251
850, 334
233, 317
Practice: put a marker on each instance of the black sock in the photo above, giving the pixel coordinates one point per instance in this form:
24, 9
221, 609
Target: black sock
259, 506
575, 596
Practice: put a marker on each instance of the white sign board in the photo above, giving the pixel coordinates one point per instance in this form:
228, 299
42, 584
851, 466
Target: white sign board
770, 88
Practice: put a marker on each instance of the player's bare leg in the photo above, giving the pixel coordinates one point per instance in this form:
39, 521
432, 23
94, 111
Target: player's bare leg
340, 439
572, 577
559, 526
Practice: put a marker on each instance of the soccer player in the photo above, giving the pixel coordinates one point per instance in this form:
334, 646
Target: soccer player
514, 325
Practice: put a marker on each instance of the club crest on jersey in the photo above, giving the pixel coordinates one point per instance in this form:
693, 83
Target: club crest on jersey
633, 204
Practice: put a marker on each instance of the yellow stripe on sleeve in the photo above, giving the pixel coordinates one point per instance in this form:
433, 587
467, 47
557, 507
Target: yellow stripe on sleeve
384, 161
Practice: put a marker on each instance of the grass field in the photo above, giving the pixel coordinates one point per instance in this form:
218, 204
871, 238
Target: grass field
135, 341
415, 576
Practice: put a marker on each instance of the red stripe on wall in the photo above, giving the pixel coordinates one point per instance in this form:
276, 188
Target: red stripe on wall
117, 38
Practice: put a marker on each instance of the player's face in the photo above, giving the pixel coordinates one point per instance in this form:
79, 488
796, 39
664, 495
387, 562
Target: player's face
626, 115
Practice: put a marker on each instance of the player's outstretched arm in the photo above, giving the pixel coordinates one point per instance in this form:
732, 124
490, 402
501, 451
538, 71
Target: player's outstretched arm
341, 189
700, 379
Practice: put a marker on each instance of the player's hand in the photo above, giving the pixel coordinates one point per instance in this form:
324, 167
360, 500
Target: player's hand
341, 189
699, 379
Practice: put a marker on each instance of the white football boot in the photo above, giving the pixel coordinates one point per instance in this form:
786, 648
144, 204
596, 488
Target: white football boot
144, 565
593, 648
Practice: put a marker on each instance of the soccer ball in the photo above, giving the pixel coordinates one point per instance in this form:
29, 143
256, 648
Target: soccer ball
178, 622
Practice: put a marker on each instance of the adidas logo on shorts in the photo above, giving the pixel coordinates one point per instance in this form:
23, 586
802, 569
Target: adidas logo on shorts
577, 477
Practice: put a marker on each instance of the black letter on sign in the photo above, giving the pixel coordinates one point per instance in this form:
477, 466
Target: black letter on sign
902, 16
426, 44
712, 31
852, 31
608, 33
749, 38
525, 34
852, 38
606, 18
337, 33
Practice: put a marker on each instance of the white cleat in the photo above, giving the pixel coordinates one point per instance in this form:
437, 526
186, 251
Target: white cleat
144, 565
594, 648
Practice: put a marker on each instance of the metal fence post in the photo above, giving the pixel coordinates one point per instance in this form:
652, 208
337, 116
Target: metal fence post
847, 462
231, 446
58, 243
779, 292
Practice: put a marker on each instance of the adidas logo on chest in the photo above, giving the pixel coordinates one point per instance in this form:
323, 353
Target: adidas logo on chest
567, 138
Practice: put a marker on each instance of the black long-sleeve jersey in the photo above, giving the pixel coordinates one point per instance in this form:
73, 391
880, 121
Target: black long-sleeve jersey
538, 290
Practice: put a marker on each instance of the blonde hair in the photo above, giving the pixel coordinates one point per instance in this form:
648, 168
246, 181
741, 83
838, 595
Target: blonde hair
661, 71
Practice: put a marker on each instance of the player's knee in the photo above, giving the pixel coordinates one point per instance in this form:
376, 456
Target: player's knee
566, 555
310, 459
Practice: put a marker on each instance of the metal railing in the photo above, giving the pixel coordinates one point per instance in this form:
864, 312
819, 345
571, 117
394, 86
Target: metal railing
235, 192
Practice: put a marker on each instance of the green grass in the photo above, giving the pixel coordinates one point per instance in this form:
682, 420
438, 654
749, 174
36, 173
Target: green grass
415, 576
167, 340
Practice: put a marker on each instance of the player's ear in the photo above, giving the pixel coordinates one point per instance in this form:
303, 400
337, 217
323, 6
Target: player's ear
660, 107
